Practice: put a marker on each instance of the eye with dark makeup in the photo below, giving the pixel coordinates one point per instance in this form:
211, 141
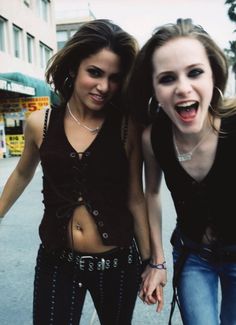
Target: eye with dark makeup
94, 72
166, 79
195, 72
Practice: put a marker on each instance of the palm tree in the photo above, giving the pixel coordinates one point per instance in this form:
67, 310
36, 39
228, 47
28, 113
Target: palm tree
231, 52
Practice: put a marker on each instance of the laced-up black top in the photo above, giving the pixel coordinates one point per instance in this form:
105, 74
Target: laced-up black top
98, 179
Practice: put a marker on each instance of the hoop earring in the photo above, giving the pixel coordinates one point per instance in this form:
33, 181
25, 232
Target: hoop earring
220, 92
151, 109
68, 82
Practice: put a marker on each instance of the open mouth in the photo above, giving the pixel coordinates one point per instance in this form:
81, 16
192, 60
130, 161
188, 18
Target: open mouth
187, 110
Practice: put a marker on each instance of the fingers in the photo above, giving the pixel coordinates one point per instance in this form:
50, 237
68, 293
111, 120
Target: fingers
160, 298
163, 284
153, 297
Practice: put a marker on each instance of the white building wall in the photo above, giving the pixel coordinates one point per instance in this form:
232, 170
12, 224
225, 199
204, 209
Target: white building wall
28, 19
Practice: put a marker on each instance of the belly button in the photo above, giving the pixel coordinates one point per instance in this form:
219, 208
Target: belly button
78, 227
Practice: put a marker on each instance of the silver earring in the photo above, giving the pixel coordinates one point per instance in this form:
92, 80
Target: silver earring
153, 106
220, 92
68, 82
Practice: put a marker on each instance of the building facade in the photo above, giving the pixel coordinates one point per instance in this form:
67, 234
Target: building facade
69, 19
27, 41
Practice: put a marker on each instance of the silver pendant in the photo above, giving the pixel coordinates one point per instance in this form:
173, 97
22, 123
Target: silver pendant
184, 156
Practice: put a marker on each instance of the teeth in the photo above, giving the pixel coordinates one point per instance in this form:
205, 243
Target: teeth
100, 98
186, 104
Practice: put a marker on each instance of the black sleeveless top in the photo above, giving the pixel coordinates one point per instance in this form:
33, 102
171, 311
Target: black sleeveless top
100, 177
210, 202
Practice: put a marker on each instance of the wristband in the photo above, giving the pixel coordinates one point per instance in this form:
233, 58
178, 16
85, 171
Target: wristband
160, 266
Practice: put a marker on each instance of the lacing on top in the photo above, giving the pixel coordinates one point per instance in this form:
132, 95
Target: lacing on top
67, 210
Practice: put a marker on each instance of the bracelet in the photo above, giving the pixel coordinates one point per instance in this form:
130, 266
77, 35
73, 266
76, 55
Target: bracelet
160, 266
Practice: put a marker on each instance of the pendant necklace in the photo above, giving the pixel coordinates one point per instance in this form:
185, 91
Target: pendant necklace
182, 157
92, 130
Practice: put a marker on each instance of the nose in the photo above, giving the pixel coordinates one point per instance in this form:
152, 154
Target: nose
183, 87
103, 85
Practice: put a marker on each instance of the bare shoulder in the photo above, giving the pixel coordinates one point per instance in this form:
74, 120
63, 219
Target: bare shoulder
36, 117
34, 126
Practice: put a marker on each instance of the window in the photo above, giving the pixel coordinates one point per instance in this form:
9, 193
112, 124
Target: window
62, 37
45, 54
30, 46
44, 9
2, 34
17, 41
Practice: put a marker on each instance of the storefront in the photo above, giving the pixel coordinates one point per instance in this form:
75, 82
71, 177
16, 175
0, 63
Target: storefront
19, 96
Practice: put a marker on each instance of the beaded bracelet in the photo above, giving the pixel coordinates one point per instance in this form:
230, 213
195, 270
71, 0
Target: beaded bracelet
160, 266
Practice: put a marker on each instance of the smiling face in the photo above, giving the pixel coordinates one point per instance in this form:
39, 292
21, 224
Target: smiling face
183, 82
97, 80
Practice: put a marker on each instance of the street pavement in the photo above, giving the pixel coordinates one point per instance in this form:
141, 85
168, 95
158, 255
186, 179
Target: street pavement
19, 242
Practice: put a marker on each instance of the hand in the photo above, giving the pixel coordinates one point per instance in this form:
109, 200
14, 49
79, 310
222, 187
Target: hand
151, 290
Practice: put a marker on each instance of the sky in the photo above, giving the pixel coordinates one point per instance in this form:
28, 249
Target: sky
140, 17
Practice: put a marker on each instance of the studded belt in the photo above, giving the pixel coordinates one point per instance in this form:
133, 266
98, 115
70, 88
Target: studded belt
116, 258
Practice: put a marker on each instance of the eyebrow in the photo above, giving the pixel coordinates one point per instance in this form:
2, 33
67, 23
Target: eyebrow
95, 67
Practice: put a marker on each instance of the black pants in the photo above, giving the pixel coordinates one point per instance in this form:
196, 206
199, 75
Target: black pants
60, 287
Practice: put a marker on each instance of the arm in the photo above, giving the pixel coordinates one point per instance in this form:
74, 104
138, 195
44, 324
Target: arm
24, 171
153, 279
136, 196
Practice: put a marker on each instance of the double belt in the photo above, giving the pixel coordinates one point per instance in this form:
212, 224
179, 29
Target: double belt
116, 258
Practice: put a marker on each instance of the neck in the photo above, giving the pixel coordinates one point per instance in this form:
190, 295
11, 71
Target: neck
185, 153
81, 123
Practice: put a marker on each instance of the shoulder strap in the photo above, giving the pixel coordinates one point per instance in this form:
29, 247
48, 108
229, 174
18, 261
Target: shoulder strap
45, 125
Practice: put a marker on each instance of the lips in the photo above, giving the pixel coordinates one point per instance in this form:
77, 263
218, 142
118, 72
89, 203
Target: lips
187, 110
98, 98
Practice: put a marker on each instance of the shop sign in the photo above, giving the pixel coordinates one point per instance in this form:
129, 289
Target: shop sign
28, 104
15, 144
16, 87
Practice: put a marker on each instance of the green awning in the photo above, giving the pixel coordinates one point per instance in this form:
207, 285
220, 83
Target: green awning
26, 85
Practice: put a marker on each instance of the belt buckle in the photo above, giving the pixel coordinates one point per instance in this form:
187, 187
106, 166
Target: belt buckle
101, 265
82, 261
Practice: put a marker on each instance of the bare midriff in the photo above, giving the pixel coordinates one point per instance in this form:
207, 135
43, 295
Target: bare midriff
83, 233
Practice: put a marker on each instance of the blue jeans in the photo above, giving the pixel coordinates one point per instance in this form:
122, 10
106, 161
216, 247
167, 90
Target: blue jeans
198, 291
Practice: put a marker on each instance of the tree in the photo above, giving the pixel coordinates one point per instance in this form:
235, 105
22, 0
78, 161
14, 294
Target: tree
232, 9
231, 52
